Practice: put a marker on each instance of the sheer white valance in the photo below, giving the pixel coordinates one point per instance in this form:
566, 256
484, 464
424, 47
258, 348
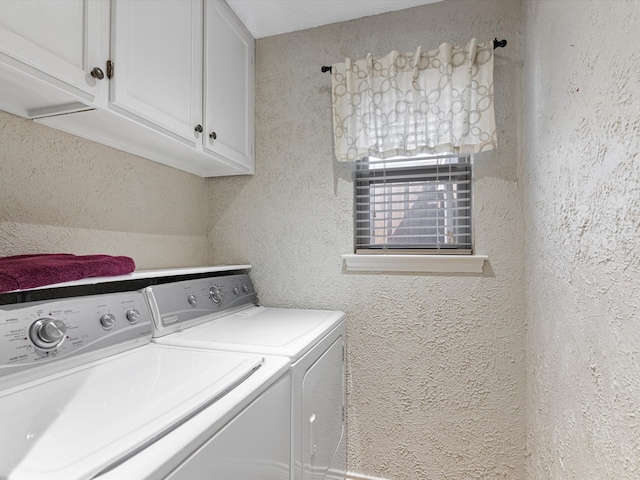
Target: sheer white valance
419, 103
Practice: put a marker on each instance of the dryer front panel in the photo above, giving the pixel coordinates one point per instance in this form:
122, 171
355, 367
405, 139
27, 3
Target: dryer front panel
323, 415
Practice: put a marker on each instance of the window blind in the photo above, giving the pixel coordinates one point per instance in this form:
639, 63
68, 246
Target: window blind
413, 205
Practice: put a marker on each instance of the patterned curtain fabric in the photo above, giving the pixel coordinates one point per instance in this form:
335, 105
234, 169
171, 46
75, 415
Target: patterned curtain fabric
410, 104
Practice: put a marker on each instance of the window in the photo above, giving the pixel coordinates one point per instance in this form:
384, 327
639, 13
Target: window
413, 205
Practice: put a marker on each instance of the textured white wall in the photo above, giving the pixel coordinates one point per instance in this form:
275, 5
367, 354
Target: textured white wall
582, 106
436, 373
61, 193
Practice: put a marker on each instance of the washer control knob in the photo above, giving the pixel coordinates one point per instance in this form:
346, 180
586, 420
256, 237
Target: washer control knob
245, 289
107, 321
216, 295
193, 300
236, 291
133, 316
47, 333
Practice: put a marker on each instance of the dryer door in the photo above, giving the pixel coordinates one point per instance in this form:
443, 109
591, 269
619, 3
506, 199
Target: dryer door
322, 416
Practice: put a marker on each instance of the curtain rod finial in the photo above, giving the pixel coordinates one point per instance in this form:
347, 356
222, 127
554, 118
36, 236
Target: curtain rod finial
499, 43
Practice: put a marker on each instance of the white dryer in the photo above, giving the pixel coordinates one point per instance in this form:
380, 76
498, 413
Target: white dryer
221, 313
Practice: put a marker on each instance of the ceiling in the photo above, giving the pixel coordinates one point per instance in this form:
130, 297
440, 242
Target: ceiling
264, 18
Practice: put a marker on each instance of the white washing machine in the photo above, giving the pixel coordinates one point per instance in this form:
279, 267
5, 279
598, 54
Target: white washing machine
221, 313
84, 394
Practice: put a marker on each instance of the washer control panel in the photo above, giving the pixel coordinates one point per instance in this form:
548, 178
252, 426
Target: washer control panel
179, 305
38, 333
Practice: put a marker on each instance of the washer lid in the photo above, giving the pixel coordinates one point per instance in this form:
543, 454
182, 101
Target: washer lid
73, 425
274, 331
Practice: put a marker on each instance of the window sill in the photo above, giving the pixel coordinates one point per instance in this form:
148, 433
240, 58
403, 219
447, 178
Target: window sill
415, 263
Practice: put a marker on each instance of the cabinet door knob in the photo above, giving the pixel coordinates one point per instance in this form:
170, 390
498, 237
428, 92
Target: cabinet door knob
213, 135
97, 73
199, 128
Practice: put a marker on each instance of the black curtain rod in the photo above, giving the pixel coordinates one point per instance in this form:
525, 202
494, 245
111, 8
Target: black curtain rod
496, 44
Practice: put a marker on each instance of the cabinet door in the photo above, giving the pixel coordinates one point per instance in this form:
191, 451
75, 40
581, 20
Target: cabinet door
59, 40
157, 58
229, 85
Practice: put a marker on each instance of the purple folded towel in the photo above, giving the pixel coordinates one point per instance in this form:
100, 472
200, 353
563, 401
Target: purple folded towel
22, 272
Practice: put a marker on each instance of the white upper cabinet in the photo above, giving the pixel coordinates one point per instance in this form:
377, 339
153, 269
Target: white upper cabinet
229, 85
168, 80
157, 58
47, 52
